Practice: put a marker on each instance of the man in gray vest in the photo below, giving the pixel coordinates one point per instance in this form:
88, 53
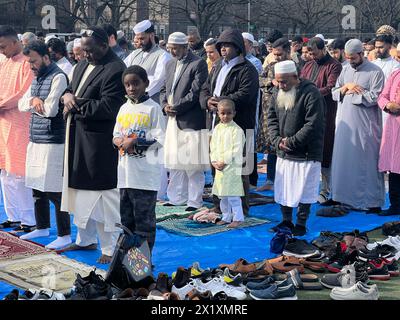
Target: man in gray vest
150, 57
45, 153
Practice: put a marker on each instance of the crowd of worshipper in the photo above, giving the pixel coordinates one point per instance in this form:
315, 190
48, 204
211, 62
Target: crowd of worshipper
104, 128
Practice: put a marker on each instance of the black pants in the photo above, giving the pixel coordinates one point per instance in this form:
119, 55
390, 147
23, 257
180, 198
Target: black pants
394, 191
42, 212
138, 213
254, 175
303, 212
271, 166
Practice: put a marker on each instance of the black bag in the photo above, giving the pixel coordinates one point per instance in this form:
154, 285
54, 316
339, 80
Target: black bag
280, 240
131, 263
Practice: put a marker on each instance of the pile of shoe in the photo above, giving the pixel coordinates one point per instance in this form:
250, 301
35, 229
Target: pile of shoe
198, 284
34, 294
272, 289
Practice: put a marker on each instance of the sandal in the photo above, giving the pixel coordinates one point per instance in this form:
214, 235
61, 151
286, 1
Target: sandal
288, 264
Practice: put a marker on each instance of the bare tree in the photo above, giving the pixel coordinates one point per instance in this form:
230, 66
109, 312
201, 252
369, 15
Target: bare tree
93, 12
378, 13
204, 14
308, 15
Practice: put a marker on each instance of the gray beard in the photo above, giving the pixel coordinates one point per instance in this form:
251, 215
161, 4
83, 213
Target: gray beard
286, 99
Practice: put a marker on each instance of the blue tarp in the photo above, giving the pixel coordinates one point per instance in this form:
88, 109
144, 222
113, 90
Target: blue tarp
252, 244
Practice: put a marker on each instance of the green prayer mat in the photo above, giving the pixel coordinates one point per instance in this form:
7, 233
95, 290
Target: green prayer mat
175, 212
192, 228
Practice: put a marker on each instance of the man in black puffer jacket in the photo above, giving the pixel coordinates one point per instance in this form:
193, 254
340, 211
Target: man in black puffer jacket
296, 125
234, 78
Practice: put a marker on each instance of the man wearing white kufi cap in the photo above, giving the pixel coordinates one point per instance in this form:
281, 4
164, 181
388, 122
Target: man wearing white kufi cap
356, 181
249, 45
296, 127
186, 140
153, 59
150, 57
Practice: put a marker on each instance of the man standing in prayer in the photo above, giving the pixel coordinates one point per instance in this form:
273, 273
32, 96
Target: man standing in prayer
91, 104
150, 57
248, 43
45, 153
196, 44
15, 79
186, 140
296, 127
58, 54
77, 49
336, 50
237, 79
112, 41
281, 52
389, 156
383, 45
323, 71
356, 182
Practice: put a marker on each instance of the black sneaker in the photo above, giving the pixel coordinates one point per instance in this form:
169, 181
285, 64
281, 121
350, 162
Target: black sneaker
378, 273
300, 249
380, 251
299, 231
9, 224
182, 277
13, 295
287, 224
91, 278
342, 259
163, 284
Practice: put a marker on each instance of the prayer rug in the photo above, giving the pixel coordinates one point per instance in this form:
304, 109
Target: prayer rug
50, 270
12, 247
175, 212
188, 227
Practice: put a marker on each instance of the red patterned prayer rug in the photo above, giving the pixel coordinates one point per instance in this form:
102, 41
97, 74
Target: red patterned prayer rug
12, 247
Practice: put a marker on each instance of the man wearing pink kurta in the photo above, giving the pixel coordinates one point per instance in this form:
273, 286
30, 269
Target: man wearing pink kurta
389, 157
15, 79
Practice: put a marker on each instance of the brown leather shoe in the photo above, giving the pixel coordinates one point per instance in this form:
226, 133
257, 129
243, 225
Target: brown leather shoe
288, 264
242, 266
314, 266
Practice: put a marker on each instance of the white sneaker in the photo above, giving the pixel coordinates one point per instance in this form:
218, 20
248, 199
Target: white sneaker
218, 284
391, 241
359, 291
182, 292
46, 294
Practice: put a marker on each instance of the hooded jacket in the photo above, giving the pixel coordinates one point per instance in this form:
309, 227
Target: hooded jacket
241, 84
303, 125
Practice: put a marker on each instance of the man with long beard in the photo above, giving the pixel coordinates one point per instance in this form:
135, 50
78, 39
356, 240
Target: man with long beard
296, 127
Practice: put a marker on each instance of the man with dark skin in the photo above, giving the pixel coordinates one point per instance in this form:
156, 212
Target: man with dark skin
91, 104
